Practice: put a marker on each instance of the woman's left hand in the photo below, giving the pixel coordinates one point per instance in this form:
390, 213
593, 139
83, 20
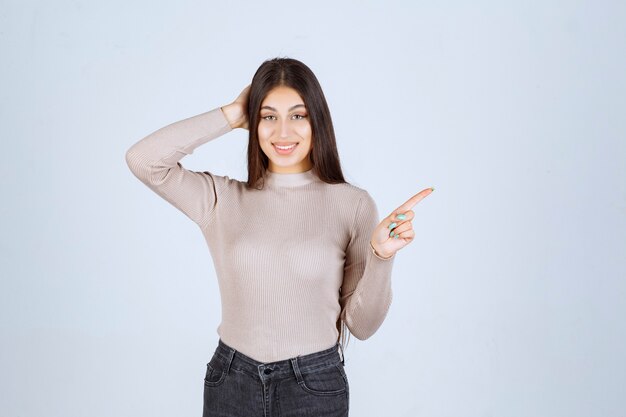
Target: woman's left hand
396, 231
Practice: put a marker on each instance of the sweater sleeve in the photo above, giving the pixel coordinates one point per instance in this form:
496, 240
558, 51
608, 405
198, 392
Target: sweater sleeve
155, 161
366, 290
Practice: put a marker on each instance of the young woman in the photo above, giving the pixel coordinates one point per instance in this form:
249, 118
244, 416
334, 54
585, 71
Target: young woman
299, 253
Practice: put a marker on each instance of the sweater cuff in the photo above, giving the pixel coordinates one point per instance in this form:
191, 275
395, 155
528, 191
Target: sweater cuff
380, 257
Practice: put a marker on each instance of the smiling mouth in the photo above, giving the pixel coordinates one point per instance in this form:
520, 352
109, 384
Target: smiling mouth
284, 148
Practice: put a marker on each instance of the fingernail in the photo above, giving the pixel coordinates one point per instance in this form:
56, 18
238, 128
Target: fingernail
391, 234
401, 216
392, 225
395, 237
432, 188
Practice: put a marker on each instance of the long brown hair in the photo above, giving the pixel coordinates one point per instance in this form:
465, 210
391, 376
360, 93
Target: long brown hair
292, 73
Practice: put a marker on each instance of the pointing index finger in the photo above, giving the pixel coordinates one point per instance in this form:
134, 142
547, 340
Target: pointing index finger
408, 205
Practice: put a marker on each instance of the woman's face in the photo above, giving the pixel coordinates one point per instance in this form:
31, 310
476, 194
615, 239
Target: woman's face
284, 123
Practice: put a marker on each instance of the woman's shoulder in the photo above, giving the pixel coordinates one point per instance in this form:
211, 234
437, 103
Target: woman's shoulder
349, 191
356, 203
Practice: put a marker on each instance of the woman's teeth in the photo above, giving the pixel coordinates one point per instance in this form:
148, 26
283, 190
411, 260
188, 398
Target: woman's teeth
284, 150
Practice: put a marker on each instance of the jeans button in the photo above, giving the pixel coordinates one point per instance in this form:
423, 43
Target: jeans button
267, 371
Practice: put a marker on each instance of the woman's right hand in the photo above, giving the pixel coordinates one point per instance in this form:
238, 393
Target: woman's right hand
236, 112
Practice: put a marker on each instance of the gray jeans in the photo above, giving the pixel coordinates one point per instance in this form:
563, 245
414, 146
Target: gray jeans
236, 385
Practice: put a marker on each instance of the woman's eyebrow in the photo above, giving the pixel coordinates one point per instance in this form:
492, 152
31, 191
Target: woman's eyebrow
290, 109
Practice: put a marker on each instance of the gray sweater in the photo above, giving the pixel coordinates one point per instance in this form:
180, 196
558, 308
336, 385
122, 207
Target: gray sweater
290, 258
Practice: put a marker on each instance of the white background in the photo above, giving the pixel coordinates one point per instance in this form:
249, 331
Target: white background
511, 299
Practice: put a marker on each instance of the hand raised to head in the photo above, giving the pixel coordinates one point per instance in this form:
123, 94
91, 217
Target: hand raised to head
236, 112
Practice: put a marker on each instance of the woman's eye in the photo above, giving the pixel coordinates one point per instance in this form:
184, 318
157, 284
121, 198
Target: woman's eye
296, 116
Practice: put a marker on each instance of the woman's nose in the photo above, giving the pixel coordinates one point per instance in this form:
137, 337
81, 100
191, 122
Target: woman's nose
285, 129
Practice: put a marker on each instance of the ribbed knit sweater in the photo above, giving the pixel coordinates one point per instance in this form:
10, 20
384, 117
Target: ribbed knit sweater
290, 258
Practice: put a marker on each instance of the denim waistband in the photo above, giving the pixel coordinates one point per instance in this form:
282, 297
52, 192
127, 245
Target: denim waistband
283, 368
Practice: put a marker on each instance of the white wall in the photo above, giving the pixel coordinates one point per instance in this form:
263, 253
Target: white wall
511, 299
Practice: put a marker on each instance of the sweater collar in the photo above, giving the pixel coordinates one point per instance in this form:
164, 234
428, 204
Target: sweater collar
292, 179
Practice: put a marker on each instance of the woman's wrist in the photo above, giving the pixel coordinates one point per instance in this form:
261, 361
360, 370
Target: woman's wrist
380, 256
232, 114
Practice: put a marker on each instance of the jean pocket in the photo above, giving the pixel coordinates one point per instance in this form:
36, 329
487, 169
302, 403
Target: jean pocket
330, 380
215, 372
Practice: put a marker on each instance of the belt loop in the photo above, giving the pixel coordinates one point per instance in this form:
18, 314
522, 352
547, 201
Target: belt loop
296, 369
342, 356
231, 357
